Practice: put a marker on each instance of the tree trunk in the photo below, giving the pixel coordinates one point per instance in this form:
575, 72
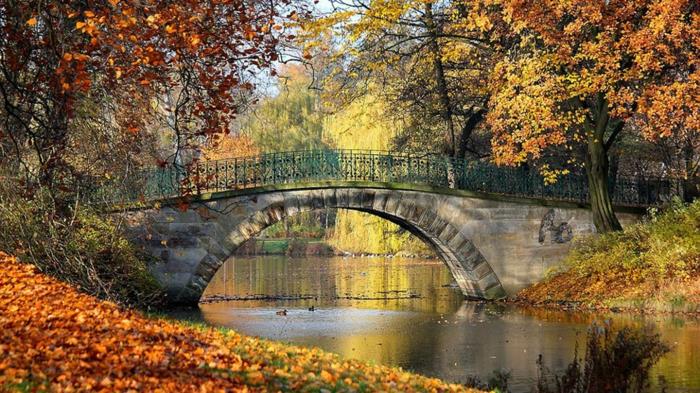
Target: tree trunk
443, 93
597, 169
691, 184
614, 168
469, 126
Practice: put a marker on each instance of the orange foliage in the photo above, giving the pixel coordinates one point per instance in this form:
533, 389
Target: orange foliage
611, 289
136, 53
230, 146
54, 338
639, 58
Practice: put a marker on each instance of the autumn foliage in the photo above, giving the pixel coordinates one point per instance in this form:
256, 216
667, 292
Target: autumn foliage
638, 59
153, 66
54, 338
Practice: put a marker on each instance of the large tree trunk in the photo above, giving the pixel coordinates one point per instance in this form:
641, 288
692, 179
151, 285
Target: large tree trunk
601, 204
443, 93
597, 169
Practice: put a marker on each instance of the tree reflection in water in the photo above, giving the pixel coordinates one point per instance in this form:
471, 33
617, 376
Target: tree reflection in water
436, 334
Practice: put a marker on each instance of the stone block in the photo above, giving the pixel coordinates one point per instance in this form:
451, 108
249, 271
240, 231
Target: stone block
438, 225
355, 198
329, 198
291, 205
208, 266
274, 213
488, 282
392, 202
367, 199
183, 259
457, 242
380, 198
448, 233
182, 241
317, 200
481, 270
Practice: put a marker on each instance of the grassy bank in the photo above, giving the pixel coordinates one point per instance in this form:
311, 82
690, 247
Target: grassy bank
54, 338
652, 265
291, 247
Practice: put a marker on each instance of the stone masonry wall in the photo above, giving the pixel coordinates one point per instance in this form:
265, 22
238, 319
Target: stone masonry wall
492, 248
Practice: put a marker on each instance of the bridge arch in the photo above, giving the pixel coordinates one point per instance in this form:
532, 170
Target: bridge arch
194, 244
469, 212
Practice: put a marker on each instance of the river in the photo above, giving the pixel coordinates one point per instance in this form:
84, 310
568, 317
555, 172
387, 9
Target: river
408, 313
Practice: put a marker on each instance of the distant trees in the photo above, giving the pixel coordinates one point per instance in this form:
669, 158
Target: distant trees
420, 57
292, 119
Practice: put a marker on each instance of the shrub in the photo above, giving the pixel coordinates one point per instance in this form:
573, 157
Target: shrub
665, 245
616, 361
77, 245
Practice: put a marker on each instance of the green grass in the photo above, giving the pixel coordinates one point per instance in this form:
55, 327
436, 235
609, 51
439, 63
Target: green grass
275, 247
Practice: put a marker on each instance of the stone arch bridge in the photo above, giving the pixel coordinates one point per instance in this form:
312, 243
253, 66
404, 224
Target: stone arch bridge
496, 229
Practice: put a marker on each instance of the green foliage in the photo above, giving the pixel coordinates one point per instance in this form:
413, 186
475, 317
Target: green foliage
81, 247
300, 226
666, 245
276, 247
28, 386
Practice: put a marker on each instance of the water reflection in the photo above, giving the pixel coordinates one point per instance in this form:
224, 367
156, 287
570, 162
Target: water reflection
436, 334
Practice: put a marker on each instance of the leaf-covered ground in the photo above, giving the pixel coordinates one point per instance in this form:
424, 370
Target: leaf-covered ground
54, 338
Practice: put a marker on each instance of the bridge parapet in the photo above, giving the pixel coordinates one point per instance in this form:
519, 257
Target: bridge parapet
432, 170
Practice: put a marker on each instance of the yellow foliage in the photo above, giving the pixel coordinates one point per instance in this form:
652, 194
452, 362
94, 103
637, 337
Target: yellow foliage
642, 60
363, 125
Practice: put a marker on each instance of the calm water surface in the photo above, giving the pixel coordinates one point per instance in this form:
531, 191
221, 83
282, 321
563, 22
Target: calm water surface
407, 312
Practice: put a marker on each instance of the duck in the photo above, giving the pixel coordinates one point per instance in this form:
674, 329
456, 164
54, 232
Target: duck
281, 312
312, 308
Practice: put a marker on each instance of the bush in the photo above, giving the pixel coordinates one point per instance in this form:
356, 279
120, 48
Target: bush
666, 245
76, 245
616, 361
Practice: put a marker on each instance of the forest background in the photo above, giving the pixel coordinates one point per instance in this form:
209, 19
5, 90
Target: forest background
296, 117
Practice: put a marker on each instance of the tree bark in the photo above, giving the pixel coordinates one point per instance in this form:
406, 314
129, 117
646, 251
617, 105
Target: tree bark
443, 92
469, 126
597, 169
691, 183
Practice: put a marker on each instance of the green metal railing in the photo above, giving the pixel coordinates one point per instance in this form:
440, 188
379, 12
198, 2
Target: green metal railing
374, 166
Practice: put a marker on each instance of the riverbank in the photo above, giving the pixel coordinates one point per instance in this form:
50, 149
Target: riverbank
52, 337
310, 247
652, 266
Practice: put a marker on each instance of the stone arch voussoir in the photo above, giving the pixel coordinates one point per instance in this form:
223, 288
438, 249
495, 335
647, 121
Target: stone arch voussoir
415, 211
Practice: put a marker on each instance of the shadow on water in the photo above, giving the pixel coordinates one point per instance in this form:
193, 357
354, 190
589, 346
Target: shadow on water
435, 333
